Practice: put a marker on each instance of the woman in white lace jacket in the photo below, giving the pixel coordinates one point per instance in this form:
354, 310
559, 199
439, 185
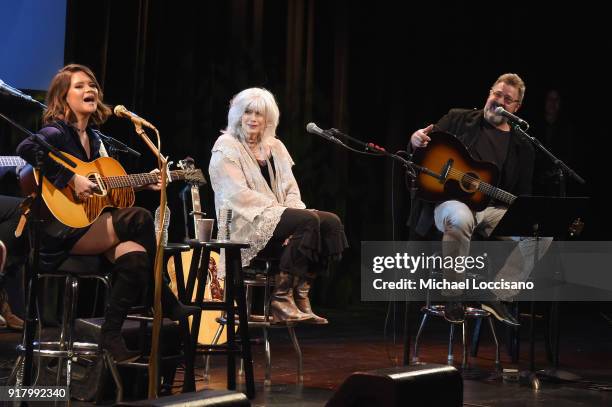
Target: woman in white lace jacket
250, 172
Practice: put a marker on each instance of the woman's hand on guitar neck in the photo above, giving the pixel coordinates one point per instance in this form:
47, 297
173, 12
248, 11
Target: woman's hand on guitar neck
420, 137
151, 187
83, 187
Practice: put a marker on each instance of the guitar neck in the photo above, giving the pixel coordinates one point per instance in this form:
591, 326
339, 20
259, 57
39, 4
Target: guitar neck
136, 180
496, 193
197, 210
11, 161
482, 186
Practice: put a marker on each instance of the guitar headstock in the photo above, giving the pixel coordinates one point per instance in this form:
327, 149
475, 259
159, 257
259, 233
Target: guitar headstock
191, 174
186, 163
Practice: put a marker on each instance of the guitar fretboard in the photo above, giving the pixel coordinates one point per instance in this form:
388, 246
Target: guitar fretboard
134, 180
482, 186
496, 193
11, 161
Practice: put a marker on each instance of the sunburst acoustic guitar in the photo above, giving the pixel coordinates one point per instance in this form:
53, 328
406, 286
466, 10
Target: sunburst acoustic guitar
455, 174
114, 188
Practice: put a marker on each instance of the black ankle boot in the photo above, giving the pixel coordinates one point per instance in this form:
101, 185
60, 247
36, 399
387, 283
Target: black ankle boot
131, 274
174, 309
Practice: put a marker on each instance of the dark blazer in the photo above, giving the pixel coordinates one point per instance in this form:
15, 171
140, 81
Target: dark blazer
62, 136
516, 176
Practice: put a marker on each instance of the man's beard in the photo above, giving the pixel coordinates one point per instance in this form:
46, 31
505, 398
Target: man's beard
493, 118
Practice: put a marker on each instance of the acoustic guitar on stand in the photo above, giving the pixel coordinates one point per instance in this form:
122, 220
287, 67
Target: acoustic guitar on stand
452, 173
214, 285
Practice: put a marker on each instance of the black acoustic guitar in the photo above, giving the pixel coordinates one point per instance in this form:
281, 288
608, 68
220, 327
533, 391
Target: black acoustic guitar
455, 174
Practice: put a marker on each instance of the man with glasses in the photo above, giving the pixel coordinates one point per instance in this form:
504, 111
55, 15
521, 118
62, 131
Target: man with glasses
488, 137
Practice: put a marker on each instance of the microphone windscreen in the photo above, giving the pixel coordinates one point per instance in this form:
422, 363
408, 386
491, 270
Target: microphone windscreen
311, 127
120, 111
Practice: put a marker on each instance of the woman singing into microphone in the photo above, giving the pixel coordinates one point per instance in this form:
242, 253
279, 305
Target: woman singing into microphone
126, 237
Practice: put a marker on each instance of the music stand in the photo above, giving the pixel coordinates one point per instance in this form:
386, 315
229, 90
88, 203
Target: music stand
552, 216
538, 216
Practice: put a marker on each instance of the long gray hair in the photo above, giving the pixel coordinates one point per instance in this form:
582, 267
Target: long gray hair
259, 100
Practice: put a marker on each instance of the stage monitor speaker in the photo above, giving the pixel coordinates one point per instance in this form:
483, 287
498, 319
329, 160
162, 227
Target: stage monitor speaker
204, 398
412, 386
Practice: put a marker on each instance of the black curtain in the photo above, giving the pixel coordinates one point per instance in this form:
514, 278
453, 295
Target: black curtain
376, 70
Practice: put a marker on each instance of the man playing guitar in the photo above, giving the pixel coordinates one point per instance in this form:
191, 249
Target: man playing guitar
488, 137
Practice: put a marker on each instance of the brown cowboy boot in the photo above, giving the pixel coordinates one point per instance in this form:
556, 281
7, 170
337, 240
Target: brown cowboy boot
11, 320
283, 306
300, 293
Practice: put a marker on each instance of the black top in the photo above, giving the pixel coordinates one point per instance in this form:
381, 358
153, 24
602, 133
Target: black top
65, 138
492, 145
264, 170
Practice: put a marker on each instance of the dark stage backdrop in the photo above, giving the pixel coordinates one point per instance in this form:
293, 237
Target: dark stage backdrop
377, 70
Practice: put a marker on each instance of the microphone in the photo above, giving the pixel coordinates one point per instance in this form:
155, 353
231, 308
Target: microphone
121, 111
500, 111
314, 129
326, 134
9, 90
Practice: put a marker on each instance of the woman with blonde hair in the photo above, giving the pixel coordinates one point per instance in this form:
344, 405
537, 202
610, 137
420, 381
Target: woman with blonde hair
250, 172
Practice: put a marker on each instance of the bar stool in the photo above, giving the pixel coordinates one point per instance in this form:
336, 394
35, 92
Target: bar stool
470, 313
263, 278
234, 292
65, 348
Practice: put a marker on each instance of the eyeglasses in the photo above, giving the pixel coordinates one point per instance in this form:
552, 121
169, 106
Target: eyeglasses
507, 99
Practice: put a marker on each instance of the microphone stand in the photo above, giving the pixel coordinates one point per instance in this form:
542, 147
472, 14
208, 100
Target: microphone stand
408, 164
556, 161
563, 169
154, 358
116, 145
32, 271
412, 169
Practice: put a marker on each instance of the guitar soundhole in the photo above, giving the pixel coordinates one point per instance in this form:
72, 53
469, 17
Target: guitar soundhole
469, 182
96, 179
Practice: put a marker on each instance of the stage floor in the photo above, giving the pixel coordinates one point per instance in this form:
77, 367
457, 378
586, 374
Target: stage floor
357, 340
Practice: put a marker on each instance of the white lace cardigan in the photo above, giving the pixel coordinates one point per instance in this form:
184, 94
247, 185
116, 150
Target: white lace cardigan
238, 182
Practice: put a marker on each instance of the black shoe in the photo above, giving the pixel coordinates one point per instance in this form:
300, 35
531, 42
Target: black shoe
174, 309
179, 311
454, 312
499, 311
113, 343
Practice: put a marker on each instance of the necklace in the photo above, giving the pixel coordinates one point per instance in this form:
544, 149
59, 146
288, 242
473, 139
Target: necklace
78, 129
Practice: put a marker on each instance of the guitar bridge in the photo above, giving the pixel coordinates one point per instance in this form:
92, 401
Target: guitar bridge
445, 170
